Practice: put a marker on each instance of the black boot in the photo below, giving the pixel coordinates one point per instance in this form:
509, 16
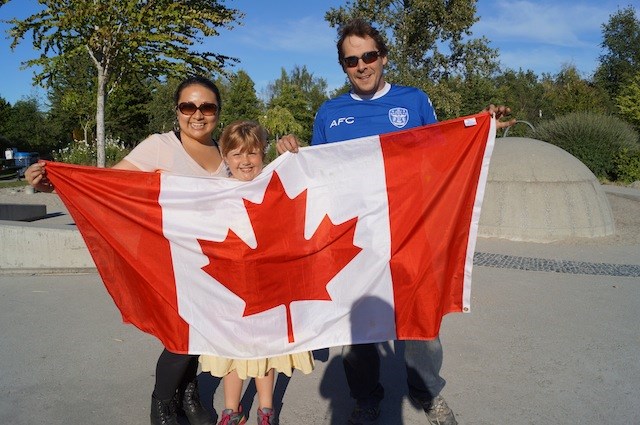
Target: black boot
163, 412
192, 406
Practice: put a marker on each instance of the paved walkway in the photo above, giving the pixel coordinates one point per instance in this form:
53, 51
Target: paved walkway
538, 347
557, 266
553, 337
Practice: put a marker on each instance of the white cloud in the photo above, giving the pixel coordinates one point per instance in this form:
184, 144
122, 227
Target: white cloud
300, 36
547, 60
560, 23
266, 46
545, 35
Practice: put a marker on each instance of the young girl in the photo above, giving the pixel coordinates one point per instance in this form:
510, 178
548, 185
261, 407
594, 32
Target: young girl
243, 144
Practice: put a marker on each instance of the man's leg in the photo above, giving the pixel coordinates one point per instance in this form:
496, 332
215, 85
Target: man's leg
423, 360
362, 368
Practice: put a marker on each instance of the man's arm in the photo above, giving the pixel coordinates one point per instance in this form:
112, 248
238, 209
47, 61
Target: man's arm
500, 111
288, 143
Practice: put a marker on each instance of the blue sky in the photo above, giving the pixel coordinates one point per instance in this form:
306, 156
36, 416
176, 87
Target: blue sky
538, 35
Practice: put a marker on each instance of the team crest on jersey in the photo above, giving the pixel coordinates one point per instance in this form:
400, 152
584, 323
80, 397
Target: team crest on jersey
399, 116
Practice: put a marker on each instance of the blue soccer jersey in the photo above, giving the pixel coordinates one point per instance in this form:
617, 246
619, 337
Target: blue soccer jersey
348, 117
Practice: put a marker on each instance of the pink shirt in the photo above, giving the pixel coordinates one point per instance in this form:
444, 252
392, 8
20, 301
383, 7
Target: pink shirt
164, 152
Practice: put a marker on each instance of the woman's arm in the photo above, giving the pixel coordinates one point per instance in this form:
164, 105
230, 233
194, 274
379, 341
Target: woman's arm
125, 165
36, 176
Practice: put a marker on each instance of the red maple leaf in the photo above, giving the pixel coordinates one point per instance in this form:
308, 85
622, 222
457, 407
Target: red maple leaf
284, 267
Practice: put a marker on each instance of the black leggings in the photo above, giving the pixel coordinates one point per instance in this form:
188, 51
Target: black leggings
172, 372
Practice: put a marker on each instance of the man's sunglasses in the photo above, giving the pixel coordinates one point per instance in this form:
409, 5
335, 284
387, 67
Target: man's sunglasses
190, 108
368, 57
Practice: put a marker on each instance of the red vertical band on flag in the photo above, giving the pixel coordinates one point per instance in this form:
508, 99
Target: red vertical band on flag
432, 175
118, 215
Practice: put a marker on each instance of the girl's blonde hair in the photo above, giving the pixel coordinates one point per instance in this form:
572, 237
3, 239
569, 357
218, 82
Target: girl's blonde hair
246, 135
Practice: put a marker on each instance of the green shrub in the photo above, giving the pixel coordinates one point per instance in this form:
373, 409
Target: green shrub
271, 153
78, 152
628, 165
595, 139
82, 153
114, 152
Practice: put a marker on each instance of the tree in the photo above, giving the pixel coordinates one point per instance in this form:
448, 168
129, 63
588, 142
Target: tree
5, 110
301, 94
524, 93
241, 101
429, 43
127, 119
124, 38
292, 98
160, 111
621, 42
628, 102
344, 88
24, 126
475, 92
568, 92
314, 89
279, 121
72, 89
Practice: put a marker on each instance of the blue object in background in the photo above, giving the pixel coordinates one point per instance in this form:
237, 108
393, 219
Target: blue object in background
23, 160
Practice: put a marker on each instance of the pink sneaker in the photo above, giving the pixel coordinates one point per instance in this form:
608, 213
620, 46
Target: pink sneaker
229, 417
266, 416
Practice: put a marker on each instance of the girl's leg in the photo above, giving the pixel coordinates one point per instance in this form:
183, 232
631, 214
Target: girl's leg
232, 385
264, 387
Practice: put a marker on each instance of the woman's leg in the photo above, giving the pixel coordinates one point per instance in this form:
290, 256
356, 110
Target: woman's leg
176, 374
170, 373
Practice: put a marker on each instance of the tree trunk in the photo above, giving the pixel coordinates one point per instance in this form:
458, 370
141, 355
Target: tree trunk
100, 139
85, 129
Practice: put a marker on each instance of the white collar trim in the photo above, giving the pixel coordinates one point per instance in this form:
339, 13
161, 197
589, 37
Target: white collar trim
374, 96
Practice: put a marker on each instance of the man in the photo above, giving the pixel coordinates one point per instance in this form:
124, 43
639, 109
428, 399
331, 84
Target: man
375, 107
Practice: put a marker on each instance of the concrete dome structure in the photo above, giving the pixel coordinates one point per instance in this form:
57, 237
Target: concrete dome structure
537, 192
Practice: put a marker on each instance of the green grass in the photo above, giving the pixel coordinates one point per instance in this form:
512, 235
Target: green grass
13, 183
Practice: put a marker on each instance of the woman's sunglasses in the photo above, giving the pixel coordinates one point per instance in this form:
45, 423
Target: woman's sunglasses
368, 57
190, 108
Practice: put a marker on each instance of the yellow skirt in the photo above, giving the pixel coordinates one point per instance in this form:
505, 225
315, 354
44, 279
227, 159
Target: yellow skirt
221, 366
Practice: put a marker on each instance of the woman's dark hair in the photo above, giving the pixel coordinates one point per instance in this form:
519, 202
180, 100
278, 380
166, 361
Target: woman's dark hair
201, 81
360, 28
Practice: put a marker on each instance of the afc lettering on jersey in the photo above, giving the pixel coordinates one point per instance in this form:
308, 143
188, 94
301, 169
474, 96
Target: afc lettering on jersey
345, 120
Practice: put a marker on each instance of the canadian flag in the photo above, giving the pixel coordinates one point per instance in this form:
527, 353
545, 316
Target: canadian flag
366, 240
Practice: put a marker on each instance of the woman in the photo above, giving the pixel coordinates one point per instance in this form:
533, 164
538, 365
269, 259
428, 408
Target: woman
190, 150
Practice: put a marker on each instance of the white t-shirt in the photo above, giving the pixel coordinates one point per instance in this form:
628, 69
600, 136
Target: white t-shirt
164, 152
